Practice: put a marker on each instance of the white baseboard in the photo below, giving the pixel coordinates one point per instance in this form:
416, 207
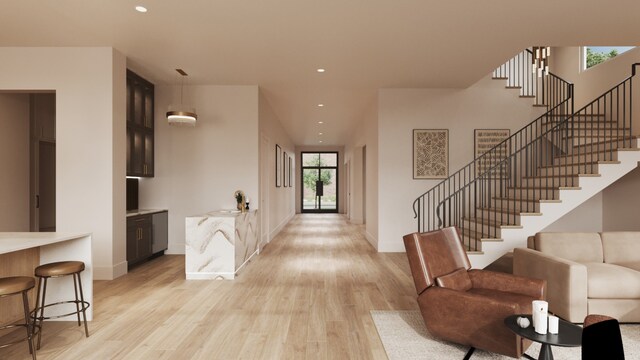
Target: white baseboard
175, 249
281, 226
109, 272
371, 239
391, 247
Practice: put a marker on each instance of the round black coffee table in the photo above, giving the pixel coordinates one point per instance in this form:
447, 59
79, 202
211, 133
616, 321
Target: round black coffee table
568, 335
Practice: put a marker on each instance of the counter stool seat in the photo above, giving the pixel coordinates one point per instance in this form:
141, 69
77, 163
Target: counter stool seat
15, 285
54, 270
61, 268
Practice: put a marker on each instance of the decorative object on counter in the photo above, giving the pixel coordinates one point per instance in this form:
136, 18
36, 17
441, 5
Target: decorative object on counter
430, 154
240, 199
278, 165
182, 115
523, 322
246, 203
553, 324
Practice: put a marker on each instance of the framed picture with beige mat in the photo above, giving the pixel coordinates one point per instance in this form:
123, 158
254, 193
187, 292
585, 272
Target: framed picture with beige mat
430, 153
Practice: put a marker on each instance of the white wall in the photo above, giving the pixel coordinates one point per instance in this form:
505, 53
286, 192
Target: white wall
86, 113
365, 135
14, 162
341, 170
487, 104
281, 200
197, 169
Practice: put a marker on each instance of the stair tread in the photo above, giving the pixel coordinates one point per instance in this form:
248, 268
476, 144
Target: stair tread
608, 140
580, 115
597, 162
513, 87
546, 188
563, 176
596, 152
510, 211
477, 235
528, 96
499, 78
493, 223
515, 199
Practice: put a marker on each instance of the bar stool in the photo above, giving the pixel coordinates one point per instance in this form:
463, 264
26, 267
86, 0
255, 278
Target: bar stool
60, 269
13, 286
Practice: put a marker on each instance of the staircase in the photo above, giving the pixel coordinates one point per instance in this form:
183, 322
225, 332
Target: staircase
539, 173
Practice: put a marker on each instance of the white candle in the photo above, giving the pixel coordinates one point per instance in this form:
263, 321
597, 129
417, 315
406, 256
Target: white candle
554, 323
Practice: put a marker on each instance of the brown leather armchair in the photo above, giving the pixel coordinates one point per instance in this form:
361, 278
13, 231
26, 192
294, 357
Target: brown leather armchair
467, 306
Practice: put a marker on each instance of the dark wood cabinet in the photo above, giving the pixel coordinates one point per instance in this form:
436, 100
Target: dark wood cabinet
139, 238
140, 132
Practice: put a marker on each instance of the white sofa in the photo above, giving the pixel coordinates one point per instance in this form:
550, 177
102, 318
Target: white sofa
586, 273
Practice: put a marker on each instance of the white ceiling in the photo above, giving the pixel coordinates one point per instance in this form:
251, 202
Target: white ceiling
278, 44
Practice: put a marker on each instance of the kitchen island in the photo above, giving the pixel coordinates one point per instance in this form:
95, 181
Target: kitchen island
21, 252
219, 243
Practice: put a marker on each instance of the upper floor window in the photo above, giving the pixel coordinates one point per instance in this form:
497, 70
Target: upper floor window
594, 55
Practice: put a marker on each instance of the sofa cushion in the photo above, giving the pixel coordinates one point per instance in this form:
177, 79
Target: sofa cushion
578, 247
608, 281
621, 247
457, 280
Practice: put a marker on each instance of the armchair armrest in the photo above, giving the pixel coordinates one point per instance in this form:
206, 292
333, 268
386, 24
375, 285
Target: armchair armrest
566, 281
484, 279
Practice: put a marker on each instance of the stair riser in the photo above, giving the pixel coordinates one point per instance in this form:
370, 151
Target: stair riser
534, 194
516, 205
608, 146
595, 141
503, 218
589, 157
471, 244
488, 230
582, 125
550, 182
569, 170
603, 133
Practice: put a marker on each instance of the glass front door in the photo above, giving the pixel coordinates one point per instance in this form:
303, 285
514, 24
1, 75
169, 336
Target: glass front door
320, 182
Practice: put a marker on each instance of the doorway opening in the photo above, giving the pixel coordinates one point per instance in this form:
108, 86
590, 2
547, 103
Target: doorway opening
319, 182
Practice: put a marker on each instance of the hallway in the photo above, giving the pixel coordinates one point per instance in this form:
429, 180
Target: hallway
307, 295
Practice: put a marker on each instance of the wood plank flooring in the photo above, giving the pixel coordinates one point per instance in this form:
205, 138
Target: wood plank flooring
306, 296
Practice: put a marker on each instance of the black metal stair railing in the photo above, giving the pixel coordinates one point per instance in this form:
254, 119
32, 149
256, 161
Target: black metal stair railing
549, 154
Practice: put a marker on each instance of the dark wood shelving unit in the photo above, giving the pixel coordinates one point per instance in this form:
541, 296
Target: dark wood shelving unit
140, 132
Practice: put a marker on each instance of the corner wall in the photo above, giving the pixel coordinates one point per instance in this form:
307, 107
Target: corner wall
279, 201
87, 164
14, 162
197, 169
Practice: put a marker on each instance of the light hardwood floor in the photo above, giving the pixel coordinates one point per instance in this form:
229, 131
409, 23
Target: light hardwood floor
306, 296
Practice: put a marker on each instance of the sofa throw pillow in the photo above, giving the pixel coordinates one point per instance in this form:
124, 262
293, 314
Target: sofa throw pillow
456, 280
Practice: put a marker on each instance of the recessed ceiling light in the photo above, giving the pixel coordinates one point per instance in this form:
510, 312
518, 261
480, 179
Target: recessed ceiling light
320, 105
320, 70
320, 141
141, 9
320, 122
319, 133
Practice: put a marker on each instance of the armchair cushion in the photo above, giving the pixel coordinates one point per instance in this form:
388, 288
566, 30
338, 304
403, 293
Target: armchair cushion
457, 280
608, 281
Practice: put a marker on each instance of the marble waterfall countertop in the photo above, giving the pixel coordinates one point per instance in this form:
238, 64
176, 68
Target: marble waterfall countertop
219, 243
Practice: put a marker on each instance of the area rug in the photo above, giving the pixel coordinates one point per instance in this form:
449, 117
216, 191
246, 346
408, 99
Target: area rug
405, 337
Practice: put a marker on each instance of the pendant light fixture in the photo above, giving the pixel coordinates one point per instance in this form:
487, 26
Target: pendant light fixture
182, 115
541, 60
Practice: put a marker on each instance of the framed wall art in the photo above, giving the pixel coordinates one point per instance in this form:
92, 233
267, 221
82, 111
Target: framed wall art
285, 172
278, 166
290, 172
430, 153
485, 140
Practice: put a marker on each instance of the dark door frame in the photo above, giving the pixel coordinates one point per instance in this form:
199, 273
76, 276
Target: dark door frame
319, 168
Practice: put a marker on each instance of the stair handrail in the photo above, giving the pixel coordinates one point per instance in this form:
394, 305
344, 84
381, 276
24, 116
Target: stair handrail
567, 146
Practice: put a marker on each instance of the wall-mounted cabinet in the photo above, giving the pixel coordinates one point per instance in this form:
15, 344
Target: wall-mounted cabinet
140, 137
